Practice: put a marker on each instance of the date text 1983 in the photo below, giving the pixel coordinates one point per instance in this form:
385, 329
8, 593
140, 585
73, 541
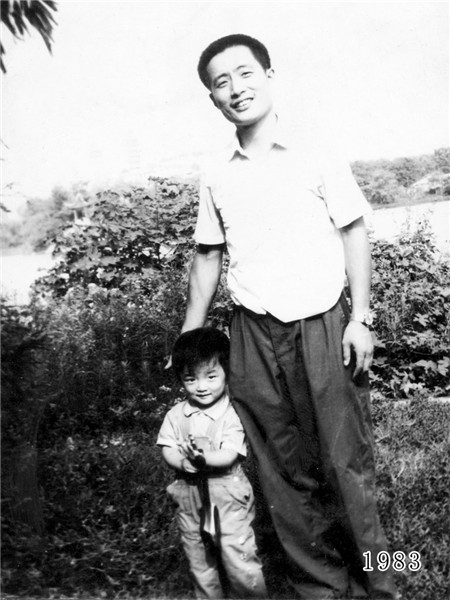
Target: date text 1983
399, 561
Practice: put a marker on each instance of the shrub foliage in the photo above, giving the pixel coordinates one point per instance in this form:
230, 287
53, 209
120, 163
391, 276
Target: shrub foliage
411, 290
83, 367
129, 237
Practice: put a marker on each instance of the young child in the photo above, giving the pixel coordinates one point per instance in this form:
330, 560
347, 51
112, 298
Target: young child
203, 439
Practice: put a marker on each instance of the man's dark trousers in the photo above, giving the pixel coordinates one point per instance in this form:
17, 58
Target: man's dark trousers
310, 429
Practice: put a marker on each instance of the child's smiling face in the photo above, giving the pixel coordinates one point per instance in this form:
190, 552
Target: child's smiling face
206, 385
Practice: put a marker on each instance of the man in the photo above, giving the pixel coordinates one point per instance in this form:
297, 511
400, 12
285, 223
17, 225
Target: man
292, 221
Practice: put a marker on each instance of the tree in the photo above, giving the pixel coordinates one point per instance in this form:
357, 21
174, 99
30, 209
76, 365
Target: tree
21, 369
39, 218
377, 180
130, 235
22, 407
406, 170
383, 187
442, 159
18, 15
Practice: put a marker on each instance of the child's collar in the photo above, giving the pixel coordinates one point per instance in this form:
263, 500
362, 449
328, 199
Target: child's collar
213, 411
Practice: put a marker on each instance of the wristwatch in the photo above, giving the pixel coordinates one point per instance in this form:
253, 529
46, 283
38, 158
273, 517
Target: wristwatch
365, 318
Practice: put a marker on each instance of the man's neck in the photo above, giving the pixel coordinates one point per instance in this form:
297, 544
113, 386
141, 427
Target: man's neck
257, 139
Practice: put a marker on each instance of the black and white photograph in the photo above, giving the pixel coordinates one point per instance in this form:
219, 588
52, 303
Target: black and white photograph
225, 300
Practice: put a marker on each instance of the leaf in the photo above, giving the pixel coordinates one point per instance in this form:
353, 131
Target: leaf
422, 319
109, 260
428, 365
443, 366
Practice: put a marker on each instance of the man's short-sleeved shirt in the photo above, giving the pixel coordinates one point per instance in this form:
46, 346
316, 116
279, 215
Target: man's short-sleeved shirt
185, 418
280, 217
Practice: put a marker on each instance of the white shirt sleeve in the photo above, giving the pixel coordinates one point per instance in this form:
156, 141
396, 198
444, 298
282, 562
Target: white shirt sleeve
209, 229
169, 434
344, 197
233, 436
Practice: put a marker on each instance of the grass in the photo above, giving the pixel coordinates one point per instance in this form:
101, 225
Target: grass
413, 445
111, 533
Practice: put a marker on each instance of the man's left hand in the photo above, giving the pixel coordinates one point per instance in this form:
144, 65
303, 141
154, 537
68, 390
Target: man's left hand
358, 337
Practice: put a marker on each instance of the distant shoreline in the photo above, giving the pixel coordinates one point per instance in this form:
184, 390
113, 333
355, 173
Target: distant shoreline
413, 202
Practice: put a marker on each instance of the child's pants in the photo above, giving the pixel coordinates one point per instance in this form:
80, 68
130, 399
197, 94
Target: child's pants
233, 496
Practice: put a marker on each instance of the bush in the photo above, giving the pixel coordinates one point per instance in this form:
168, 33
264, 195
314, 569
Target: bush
105, 327
105, 345
129, 237
387, 182
410, 297
24, 399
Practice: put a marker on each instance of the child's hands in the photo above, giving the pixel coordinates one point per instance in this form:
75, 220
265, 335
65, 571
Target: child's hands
188, 466
193, 453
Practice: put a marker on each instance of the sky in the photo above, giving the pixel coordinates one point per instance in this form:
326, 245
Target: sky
119, 96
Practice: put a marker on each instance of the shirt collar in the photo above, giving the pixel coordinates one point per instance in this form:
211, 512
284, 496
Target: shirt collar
281, 139
214, 412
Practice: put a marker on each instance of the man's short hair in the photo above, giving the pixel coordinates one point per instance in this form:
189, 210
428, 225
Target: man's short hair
258, 50
200, 346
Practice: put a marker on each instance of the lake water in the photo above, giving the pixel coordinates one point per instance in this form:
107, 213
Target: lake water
19, 271
388, 222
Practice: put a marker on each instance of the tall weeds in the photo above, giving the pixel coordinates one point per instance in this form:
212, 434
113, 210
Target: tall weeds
109, 528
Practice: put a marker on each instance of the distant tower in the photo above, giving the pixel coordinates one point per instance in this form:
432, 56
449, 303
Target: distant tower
79, 207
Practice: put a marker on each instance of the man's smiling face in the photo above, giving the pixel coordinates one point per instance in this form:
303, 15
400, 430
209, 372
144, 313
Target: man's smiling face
240, 87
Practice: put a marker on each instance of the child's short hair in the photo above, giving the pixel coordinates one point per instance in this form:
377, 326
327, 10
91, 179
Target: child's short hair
258, 50
198, 346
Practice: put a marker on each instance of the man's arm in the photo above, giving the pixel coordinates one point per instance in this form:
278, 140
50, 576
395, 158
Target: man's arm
203, 281
358, 266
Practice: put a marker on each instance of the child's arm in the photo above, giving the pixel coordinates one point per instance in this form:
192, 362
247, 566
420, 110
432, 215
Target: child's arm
175, 459
218, 459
